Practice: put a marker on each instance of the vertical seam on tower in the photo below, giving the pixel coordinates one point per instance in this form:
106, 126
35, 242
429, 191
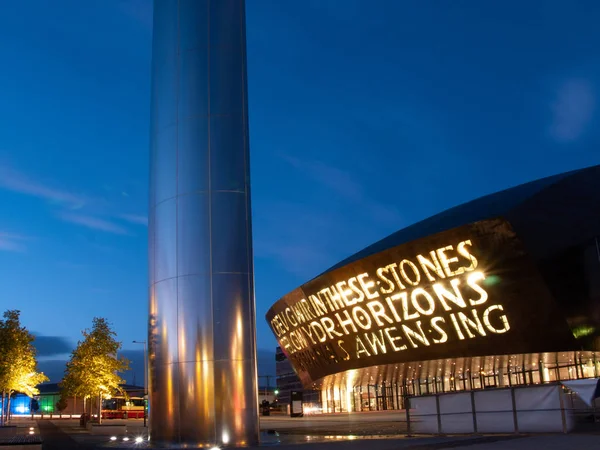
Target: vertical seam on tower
245, 124
247, 205
210, 266
177, 83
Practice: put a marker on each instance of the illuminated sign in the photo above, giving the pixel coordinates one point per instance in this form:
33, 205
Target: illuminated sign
431, 299
422, 301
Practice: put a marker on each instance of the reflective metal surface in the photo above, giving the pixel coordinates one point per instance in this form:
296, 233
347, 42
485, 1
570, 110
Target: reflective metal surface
202, 348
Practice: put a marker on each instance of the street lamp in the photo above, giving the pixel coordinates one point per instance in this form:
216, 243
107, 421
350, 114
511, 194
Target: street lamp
145, 377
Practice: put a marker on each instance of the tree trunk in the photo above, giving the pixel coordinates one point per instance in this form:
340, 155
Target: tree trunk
8, 408
2, 408
100, 408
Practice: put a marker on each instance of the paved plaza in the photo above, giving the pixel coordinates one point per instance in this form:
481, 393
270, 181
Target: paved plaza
331, 432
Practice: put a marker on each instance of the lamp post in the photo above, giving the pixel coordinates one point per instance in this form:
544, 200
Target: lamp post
145, 377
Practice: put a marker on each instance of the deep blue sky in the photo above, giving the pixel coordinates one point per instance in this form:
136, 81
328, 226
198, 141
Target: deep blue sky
365, 116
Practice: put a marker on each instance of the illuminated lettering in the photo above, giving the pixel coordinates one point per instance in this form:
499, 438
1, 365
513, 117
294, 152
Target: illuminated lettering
390, 302
335, 297
393, 339
445, 261
306, 307
469, 324
377, 310
503, 319
462, 251
443, 335
323, 293
298, 340
297, 309
360, 348
348, 321
275, 327
361, 318
345, 292
346, 357
404, 297
312, 330
431, 264
285, 343
420, 292
367, 285
319, 331
278, 326
309, 333
352, 283
390, 285
291, 317
418, 335
472, 282
376, 342
461, 336
329, 327
413, 268
392, 269
443, 294
318, 305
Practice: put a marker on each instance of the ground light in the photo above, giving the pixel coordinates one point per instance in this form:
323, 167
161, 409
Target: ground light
113, 438
139, 440
125, 438
31, 432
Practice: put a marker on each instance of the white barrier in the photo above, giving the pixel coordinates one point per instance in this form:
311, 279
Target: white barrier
531, 409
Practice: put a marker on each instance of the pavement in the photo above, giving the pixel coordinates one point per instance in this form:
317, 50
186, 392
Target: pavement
326, 432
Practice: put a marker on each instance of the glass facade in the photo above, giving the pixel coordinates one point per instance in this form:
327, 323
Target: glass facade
288, 381
480, 373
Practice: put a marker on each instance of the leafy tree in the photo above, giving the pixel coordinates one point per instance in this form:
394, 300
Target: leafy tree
93, 370
17, 361
61, 404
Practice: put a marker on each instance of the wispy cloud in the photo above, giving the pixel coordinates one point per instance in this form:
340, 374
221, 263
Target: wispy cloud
15, 181
305, 240
572, 109
94, 223
12, 242
134, 218
344, 184
300, 239
69, 205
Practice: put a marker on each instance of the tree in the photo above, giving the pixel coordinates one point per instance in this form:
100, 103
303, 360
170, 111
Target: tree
93, 370
18, 367
61, 404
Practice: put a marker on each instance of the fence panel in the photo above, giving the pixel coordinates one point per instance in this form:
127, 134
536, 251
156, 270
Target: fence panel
494, 411
456, 413
527, 409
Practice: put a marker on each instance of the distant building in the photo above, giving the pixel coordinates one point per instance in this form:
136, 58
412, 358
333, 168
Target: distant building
287, 381
45, 403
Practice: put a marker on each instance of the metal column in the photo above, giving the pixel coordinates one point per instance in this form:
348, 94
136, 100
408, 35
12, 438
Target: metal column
202, 345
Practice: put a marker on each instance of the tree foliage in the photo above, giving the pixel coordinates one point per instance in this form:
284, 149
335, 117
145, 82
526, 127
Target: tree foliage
18, 366
62, 403
94, 367
17, 357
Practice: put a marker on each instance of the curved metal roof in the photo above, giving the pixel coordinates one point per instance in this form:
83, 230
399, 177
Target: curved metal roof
494, 205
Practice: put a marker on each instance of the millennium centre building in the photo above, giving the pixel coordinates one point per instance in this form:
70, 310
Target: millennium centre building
501, 291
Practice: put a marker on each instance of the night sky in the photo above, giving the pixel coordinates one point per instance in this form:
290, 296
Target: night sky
365, 116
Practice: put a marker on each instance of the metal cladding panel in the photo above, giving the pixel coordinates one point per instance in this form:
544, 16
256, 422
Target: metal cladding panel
202, 349
466, 292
